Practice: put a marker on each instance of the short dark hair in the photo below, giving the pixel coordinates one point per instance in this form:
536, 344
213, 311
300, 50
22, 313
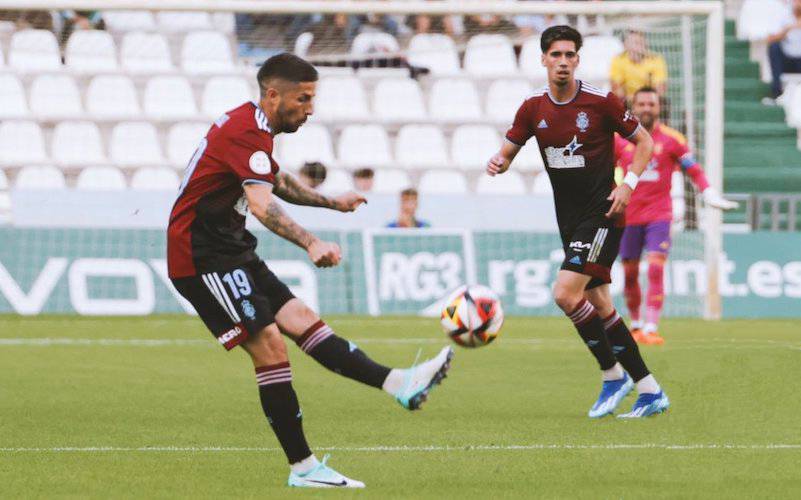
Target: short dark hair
364, 173
287, 67
557, 33
644, 90
409, 192
314, 170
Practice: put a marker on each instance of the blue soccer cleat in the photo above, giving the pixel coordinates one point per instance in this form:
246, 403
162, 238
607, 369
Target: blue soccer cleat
612, 393
647, 405
420, 379
322, 476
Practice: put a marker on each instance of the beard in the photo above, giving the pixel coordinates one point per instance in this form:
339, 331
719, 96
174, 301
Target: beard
647, 120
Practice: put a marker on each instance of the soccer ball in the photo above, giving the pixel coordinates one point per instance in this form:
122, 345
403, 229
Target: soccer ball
472, 316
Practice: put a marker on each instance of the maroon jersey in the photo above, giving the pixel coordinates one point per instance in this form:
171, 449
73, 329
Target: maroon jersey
207, 224
576, 139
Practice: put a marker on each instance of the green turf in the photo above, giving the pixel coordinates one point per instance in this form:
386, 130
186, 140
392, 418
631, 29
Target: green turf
732, 383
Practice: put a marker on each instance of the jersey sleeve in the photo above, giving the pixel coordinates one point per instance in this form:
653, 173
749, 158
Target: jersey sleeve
521, 130
619, 118
686, 160
622, 152
249, 155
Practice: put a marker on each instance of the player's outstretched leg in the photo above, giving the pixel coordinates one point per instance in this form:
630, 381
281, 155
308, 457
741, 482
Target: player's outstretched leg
281, 407
633, 294
652, 399
655, 298
569, 296
409, 386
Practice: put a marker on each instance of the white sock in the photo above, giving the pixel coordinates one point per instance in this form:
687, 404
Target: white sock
648, 385
305, 466
649, 328
636, 324
614, 373
394, 381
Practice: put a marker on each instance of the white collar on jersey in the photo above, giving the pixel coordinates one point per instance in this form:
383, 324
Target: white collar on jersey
261, 118
579, 83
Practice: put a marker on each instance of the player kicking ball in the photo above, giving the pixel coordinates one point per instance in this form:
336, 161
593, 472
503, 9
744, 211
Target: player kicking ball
574, 124
212, 262
650, 212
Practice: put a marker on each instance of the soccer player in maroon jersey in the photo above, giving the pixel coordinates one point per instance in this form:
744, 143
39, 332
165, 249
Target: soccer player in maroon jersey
650, 212
574, 124
212, 262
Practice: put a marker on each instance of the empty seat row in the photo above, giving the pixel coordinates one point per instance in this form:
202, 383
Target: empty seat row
98, 178
53, 97
91, 51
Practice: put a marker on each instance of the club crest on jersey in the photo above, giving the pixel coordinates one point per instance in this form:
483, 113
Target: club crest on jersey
565, 157
582, 121
260, 163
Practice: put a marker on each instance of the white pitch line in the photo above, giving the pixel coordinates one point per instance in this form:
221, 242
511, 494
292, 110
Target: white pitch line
401, 449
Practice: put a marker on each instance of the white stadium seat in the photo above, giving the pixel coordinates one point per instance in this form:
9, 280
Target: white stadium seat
21, 142
542, 185
223, 21
396, 100
55, 97
596, 58
129, 20
454, 100
223, 93
504, 98
40, 178
182, 141
336, 181
34, 51
531, 61
91, 51
490, 55
341, 98
169, 98
12, 98
390, 181
759, 19
312, 142
372, 42
135, 144
473, 145
793, 106
510, 182
364, 146
529, 158
206, 52
77, 144
177, 22
3, 181
100, 179
434, 51
443, 182
155, 179
112, 97
145, 53
421, 146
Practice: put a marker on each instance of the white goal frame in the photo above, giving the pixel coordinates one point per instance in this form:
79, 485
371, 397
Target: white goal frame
712, 10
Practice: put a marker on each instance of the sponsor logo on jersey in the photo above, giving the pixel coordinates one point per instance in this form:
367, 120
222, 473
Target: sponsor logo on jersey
565, 157
543, 124
230, 335
582, 121
260, 163
580, 246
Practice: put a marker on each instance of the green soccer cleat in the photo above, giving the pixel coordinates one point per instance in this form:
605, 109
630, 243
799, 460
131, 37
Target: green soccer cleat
420, 379
322, 476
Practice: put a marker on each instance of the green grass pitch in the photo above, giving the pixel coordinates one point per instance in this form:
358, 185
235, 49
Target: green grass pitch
153, 408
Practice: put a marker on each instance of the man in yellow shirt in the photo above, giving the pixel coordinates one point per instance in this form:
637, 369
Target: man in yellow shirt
636, 67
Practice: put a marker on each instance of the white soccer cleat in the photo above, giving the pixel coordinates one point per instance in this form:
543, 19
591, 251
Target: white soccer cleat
323, 476
420, 379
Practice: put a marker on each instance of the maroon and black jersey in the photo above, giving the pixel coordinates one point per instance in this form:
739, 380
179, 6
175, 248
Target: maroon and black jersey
207, 224
576, 139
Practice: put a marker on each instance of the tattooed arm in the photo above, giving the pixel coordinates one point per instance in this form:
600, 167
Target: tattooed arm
264, 207
290, 189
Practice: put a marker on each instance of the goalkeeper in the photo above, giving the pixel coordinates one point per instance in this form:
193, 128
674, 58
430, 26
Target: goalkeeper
649, 214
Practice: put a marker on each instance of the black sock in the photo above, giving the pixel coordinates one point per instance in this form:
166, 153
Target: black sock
280, 405
624, 347
591, 329
341, 356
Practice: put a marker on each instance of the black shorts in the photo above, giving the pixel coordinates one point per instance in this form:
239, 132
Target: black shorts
592, 247
233, 303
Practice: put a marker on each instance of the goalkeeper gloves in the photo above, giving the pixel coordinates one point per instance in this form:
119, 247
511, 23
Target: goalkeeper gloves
714, 199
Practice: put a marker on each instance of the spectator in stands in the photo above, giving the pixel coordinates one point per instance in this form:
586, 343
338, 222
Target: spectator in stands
408, 211
363, 180
784, 50
637, 67
312, 174
79, 20
28, 19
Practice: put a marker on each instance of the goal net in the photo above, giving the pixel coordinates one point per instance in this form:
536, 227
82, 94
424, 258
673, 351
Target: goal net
420, 93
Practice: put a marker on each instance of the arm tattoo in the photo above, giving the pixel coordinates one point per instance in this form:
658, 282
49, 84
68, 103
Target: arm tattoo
290, 189
277, 221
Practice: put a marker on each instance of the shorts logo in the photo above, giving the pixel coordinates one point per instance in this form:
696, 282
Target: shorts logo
248, 309
260, 163
582, 121
575, 260
579, 246
230, 335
